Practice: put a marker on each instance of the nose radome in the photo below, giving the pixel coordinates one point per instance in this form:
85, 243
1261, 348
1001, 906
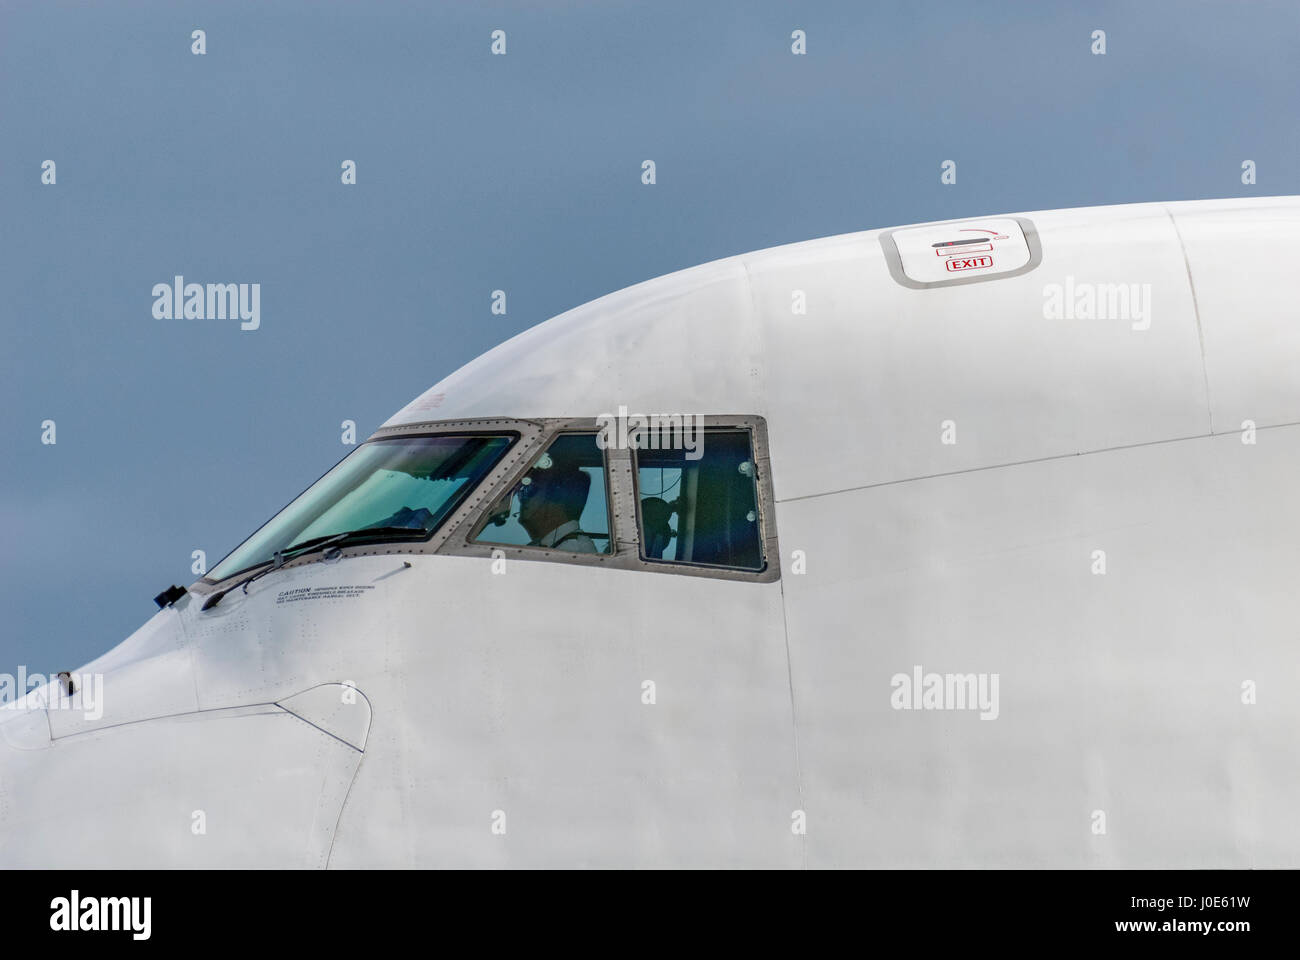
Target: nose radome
24, 726
24, 746
147, 675
258, 786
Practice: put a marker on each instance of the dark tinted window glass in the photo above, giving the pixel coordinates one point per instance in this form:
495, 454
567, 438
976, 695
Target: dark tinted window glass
702, 510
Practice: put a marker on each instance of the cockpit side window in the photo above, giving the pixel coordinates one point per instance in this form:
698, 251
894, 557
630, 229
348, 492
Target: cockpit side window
700, 506
560, 503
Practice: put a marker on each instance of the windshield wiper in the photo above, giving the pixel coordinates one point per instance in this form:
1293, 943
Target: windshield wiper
285, 554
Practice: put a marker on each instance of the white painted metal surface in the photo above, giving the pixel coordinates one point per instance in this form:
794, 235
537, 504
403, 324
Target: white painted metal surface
498, 720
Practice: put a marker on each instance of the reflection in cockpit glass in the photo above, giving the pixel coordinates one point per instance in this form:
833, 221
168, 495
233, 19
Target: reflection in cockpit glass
385, 487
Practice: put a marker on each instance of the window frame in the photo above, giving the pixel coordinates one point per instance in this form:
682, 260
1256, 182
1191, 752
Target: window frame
623, 505
454, 536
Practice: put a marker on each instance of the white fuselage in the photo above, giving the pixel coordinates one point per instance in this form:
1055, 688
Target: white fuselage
1087, 510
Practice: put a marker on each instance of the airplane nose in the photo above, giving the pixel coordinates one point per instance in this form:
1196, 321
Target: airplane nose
258, 786
24, 740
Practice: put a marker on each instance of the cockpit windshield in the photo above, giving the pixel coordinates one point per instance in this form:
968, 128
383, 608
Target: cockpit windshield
395, 489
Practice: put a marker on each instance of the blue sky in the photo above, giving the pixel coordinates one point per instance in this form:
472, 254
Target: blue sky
477, 172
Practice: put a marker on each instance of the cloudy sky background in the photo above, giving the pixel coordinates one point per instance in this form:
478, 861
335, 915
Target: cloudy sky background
478, 172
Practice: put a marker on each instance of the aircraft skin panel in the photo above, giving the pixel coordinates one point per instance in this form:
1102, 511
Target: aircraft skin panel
532, 702
339, 709
152, 677
1119, 692
304, 626
252, 787
1245, 291
1014, 384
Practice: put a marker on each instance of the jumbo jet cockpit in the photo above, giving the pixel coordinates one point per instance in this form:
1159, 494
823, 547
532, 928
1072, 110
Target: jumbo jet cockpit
680, 494
562, 638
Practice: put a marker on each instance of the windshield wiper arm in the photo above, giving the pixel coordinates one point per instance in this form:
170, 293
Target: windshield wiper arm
277, 561
288, 553
285, 554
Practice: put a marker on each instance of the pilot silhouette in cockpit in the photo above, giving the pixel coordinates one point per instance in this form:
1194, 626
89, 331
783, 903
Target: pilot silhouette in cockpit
550, 503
